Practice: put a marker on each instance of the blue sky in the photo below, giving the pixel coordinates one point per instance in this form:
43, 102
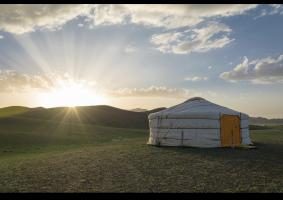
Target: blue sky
143, 55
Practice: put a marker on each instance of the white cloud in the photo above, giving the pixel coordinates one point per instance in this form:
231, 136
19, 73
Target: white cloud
160, 92
196, 78
108, 14
164, 15
19, 18
261, 71
23, 18
196, 40
272, 9
154, 91
276, 9
164, 41
209, 67
12, 81
165, 38
1, 36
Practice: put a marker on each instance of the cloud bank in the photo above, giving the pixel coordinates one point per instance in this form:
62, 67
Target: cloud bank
164, 15
261, 71
18, 18
12, 81
154, 91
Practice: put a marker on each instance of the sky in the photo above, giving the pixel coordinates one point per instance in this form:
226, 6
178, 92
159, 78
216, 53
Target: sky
144, 56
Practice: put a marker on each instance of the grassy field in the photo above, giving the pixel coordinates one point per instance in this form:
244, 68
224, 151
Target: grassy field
51, 156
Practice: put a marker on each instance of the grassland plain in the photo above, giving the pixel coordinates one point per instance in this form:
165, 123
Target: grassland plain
55, 156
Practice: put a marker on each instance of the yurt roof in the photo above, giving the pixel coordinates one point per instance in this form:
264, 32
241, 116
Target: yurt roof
198, 107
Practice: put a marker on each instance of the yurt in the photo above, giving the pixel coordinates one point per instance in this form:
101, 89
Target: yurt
199, 123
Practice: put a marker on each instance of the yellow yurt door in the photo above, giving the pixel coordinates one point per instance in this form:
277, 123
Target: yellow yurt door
230, 131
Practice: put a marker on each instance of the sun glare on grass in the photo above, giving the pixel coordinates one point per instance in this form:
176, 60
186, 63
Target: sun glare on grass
71, 95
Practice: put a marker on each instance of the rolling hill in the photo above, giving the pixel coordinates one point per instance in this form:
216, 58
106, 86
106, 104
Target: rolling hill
97, 115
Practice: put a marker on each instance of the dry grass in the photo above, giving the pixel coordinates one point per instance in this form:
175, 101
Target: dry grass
78, 158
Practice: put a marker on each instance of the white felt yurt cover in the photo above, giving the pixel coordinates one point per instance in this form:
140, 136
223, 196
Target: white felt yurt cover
195, 122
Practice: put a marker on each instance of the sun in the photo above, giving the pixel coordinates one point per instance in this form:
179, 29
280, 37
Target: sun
71, 95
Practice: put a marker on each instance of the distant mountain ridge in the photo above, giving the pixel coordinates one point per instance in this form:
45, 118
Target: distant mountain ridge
139, 110
102, 115
265, 121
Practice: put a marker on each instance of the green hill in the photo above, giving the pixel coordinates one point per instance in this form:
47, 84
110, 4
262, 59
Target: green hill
98, 115
12, 110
